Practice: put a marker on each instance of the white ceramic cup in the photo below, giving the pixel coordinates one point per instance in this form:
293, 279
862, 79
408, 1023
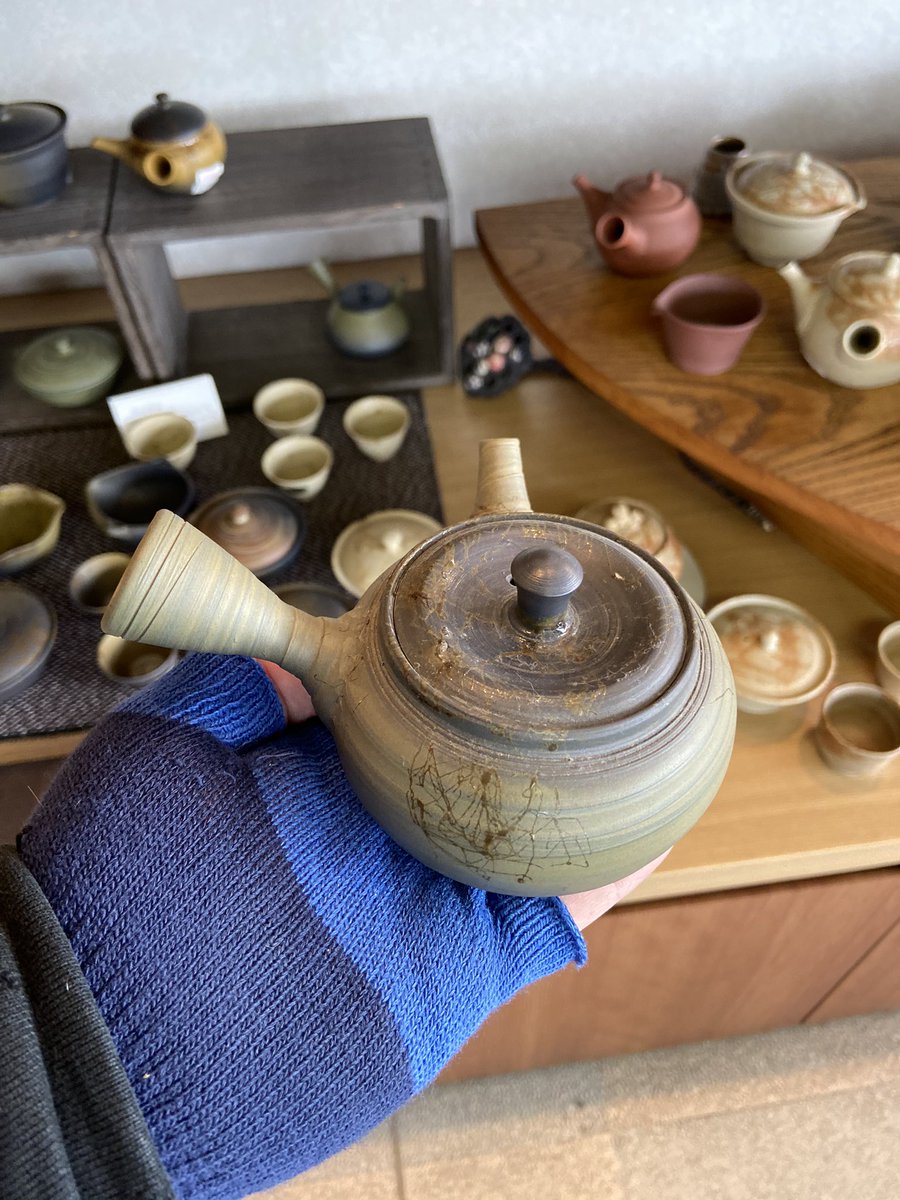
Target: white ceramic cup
133, 663
377, 425
298, 464
289, 406
161, 435
887, 668
859, 730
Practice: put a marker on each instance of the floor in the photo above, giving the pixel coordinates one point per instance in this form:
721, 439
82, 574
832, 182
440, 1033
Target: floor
811, 1113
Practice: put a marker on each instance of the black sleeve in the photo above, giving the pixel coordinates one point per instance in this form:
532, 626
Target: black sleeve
70, 1126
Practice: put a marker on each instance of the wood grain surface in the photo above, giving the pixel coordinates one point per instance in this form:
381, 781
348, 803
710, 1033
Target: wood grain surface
770, 425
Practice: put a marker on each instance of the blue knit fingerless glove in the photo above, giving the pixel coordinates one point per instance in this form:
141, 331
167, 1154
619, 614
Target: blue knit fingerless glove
277, 974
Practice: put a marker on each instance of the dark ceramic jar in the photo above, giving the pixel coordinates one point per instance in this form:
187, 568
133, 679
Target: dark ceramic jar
34, 162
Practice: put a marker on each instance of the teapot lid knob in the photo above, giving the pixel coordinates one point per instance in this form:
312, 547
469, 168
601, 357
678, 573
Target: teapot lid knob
545, 578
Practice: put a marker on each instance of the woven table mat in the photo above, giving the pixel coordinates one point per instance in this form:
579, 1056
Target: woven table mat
71, 693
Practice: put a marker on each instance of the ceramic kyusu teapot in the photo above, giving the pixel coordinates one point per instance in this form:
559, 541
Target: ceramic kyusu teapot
848, 324
646, 226
365, 319
173, 145
526, 703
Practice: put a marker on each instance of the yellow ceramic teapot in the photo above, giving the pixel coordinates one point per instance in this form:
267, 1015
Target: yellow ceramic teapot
525, 702
173, 145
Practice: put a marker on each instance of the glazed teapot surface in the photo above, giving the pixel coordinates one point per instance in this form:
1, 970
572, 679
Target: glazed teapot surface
173, 146
648, 225
525, 702
365, 319
848, 324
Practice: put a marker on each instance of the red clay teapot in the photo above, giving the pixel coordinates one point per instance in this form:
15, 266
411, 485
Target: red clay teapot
648, 225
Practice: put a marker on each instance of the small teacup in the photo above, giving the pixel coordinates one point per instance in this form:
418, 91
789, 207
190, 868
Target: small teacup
887, 668
377, 425
134, 663
94, 581
161, 435
299, 465
289, 406
707, 320
859, 730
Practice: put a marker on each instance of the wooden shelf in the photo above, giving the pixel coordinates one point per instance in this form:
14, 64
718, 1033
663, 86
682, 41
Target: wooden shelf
321, 177
824, 459
76, 218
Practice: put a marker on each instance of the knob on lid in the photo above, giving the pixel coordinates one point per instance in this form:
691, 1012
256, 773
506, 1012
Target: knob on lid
465, 644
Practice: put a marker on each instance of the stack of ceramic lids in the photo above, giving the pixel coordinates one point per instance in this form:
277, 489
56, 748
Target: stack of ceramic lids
27, 633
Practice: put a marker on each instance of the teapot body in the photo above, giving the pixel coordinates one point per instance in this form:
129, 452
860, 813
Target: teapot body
848, 325
367, 320
647, 226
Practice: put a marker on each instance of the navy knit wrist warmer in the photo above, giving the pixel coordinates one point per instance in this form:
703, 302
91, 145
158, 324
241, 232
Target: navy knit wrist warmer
277, 974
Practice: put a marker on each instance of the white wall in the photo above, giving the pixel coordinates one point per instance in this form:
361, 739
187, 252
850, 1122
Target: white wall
521, 93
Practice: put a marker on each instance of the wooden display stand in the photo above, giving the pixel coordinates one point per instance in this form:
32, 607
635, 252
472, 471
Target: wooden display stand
77, 218
316, 178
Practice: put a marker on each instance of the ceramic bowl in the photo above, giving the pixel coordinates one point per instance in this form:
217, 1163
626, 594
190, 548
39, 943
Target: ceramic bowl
133, 663
122, 502
30, 519
640, 524
165, 435
69, 367
289, 406
707, 320
27, 634
314, 598
377, 426
781, 656
859, 730
887, 668
299, 465
365, 549
94, 581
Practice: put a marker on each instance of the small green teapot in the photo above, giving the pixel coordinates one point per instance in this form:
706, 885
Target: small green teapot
365, 319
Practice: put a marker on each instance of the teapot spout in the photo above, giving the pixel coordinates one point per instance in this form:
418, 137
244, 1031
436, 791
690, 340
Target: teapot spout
183, 591
321, 272
501, 481
595, 201
803, 293
118, 149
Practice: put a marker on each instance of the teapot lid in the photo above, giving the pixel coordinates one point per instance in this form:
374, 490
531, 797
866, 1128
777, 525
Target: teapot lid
468, 642
364, 296
869, 280
259, 527
68, 360
27, 123
168, 120
794, 184
648, 193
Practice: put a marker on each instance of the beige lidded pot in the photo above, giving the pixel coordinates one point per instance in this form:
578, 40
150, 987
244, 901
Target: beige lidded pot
787, 207
525, 702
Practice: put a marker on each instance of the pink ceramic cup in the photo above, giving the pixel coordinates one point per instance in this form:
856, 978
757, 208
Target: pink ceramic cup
707, 320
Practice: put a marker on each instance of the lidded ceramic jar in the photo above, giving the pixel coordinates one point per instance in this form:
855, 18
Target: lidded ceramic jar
789, 206
525, 702
34, 161
69, 367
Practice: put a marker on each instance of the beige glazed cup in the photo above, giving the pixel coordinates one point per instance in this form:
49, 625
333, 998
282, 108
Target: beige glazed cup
161, 435
859, 730
299, 465
289, 406
887, 668
94, 581
133, 663
377, 425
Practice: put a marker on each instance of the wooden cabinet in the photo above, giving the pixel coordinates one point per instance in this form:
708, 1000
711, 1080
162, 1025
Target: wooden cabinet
715, 966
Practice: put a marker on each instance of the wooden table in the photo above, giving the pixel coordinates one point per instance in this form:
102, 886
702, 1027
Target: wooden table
780, 906
824, 460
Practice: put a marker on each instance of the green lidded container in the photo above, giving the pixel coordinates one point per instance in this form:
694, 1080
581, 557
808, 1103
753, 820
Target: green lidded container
69, 367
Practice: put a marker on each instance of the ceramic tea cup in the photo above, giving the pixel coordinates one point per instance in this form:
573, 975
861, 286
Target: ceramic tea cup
161, 435
94, 581
123, 501
859, 730
707, 321
287, 406
377, 425
299, 465
887, 667
133, 663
